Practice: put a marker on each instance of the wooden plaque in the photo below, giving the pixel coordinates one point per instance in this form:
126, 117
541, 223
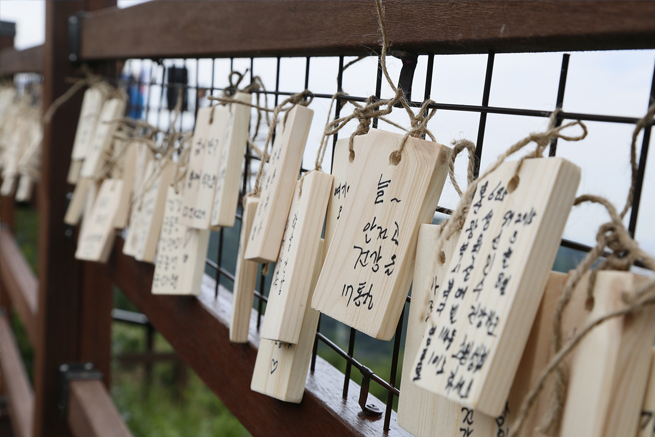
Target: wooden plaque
24, 190
245, 279
369, 265
91, 107
647, 415
76, 205
102, 137
203, 171
278, 185
126, 190
97, 237
292, 278
495, 283
181, 252
148, 211
229, 170
281, 368
610, 370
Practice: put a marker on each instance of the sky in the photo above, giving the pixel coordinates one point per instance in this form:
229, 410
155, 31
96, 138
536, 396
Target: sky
613, 83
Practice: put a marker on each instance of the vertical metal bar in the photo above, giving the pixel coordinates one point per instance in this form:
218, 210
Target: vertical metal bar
351, 351
337, 110
307, 72
195, 99
394, 369
378, 87
428, 84
219, 261
161, 95
483, 115
312, 366
260, 304
641, 169
560, 99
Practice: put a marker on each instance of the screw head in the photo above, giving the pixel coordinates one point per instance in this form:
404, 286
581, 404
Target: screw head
72, 57
63, 367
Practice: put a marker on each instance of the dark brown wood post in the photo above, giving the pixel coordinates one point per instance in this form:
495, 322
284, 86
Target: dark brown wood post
68, 319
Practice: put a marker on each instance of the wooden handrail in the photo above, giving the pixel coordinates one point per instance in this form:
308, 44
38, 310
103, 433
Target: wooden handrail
170, 29
91, 412
14, 61
197, 328
20, 393
20, 283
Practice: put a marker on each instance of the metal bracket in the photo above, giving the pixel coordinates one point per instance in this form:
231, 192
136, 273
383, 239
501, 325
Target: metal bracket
74, 372
407, 72
367, 409
75, 36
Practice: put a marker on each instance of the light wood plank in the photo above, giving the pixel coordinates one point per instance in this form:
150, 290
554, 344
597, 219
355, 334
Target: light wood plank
292, 279
76, 205
226, 196
245, 281
369, 265
89, 114
281, 368
479, 330
24, 190
610, 371
647, 417
102, 137
278, 185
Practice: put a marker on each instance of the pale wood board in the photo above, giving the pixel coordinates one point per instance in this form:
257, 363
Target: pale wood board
96, 155
76, 205
123, 212
278, 184
514, 237
24, 191
92, 104
610, 370
226, 196
91, 194
292, 278
245, 280
281, 368
148, 212
181, 252
97, 237
370, 262
144, 155
74, 171
647, 417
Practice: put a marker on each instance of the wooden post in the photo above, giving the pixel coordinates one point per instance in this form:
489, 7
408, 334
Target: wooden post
72, 325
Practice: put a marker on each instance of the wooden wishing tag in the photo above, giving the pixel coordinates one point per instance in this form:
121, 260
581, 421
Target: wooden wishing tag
293, 270
340, 187
76, 205
278, 186
609, 373
226, 196
102, 137
647, 417
281, 368
245, 280
203, 168
89, 114
474, 343
148, 212
180, 253
24, 190
369, 265
128, 181
97, 236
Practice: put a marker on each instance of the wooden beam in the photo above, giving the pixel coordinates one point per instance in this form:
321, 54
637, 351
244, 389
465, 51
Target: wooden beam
18, 389
19, 282
171, 29
14, 61
227, 367
92, 413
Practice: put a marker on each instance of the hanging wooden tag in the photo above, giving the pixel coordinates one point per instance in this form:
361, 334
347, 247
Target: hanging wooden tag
24, 191
495, 282
76, 205
229, 171
180, 253
148, 211
102, 137
128, 181
278, 186
340, 166
369, 265
202, 175
647, 415
293, 269
245, 278
608, 376
97, 237
195, 165
89, 114
281, 368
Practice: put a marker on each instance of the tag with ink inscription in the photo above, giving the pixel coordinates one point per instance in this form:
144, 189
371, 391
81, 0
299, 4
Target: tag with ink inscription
97, 236
281, 368
202, 174
195, 166
647, 413
89, 114
278, 184
245, 280
369, 265
293, 270
474, 343
102, 137
181, 252
229, 171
